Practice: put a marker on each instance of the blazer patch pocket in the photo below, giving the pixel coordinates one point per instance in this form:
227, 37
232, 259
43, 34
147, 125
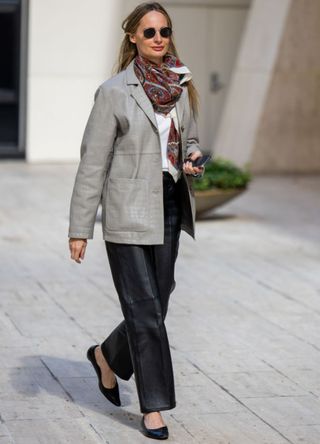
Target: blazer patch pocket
127, 204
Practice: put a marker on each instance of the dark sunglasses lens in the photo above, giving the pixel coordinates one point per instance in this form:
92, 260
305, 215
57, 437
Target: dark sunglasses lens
149, 33
166, 32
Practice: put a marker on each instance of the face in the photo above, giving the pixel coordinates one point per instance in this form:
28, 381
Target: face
156, 47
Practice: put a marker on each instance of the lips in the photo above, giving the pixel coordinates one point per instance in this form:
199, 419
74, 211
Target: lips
158, 48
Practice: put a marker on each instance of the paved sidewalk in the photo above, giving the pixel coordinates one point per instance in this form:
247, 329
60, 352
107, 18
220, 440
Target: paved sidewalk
243, 322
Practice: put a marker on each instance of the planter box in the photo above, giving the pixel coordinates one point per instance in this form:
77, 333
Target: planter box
214, 197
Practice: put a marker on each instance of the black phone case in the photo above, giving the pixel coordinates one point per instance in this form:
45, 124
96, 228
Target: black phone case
201, 160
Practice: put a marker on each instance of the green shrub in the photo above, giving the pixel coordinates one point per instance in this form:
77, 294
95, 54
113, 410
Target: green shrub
222, 173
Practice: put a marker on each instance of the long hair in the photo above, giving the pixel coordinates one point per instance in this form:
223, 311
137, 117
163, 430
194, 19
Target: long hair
128, 50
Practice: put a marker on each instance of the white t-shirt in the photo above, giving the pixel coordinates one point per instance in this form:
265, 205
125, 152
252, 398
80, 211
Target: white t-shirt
164, 123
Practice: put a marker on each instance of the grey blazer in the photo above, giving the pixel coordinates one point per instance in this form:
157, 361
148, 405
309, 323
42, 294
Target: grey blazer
121, 166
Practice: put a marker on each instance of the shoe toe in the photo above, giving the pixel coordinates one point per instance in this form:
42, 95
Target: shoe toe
159, 433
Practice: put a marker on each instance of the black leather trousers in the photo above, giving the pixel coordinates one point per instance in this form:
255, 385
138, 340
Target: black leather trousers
143, 276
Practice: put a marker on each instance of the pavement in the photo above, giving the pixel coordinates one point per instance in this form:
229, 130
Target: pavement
243, 321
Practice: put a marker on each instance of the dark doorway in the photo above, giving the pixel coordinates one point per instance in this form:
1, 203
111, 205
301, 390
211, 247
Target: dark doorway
12, 78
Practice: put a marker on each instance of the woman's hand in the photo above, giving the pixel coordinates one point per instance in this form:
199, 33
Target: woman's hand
187, 166
77, 248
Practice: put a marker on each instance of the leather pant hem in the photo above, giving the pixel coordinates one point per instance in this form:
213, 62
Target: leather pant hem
157, 409
124, 376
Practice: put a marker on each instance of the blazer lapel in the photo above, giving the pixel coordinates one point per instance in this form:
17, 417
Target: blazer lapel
138, 93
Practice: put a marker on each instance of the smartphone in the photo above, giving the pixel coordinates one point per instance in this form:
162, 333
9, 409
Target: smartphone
200, 161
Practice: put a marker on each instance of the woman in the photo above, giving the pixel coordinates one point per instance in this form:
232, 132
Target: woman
141, 128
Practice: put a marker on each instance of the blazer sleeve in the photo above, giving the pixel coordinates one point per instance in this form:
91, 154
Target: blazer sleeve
95, 157
193, 136
193, 140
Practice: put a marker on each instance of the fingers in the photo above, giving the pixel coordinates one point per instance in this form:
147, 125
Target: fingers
77, 249
83, 250
189, 169
75, 253
187, 166
195, 155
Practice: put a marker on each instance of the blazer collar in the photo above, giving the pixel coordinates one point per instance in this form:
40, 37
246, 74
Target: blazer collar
138, 93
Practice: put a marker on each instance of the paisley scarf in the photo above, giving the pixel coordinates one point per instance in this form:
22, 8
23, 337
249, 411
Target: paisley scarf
162, 86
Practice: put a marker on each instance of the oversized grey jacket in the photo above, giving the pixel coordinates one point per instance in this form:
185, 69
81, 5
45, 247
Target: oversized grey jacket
121, 166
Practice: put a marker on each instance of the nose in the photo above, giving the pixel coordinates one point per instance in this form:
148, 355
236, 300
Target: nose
157, 37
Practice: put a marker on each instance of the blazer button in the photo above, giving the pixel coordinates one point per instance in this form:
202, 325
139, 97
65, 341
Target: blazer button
182, 128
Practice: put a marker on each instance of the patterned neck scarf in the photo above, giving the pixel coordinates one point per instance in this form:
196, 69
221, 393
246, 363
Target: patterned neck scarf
162, 86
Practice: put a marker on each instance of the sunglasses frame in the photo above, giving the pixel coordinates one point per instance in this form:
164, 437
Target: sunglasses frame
155, 31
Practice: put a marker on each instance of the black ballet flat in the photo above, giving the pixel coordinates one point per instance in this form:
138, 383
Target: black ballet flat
160, 433
112, 394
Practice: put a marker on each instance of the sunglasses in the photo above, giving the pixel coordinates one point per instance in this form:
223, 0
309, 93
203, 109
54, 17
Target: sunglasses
165, 32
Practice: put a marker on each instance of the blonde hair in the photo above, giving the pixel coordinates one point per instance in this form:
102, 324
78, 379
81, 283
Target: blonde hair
128, 50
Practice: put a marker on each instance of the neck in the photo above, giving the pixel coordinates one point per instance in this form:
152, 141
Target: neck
157, 61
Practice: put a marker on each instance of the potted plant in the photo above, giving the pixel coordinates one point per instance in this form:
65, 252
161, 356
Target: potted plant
222, 181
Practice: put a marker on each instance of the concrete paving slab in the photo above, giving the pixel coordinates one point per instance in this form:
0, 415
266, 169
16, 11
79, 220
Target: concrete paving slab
243, 321
54, 431
236, 427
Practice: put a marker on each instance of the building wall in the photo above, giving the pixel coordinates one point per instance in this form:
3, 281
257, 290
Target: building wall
288, 135
72, 49
250, 80
271, 114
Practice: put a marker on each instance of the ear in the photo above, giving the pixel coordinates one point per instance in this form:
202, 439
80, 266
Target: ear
132, 38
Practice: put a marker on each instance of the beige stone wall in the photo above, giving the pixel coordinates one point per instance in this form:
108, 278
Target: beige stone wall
288, 135
252, 74
72, 48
